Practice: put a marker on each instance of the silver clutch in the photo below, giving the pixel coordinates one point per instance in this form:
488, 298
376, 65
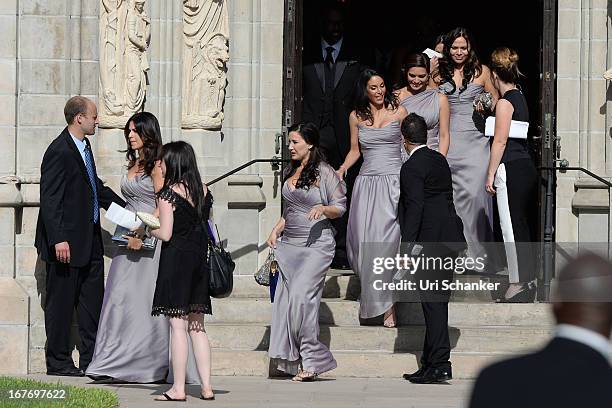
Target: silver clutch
148, 242
486, 100
267, 270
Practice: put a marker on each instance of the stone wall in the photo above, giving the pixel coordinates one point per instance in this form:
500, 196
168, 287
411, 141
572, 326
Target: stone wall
49, 52
583, 118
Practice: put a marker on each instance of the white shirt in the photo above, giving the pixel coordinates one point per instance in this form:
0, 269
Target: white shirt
80, 145
336, 48
416, 148
585, 336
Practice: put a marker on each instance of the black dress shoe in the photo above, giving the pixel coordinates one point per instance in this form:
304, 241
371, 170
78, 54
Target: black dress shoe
100, 378
417, 373
67, 372
342, 265
433, 375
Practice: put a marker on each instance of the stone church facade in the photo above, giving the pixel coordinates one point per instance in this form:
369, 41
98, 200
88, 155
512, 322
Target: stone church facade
54, 49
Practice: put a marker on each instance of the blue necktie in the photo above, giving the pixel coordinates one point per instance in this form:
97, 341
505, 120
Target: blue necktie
92, 179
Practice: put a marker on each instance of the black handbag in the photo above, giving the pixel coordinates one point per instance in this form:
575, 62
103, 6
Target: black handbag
221, 266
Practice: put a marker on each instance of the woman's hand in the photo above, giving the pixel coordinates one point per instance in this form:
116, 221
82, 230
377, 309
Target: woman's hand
134, 243
489, 184
340, 172
434, 64
316, 212
272, 239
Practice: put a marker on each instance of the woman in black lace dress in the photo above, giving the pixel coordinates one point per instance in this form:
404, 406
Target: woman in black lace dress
181, 292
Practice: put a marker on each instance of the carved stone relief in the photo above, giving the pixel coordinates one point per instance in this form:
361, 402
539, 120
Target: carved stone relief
205, 56
125, 34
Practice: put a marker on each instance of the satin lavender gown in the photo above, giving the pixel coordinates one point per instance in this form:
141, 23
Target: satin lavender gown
131, 345
373, 227
304, 253
468, 158
427, 105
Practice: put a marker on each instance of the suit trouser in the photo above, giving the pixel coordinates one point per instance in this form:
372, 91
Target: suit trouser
70, 288
436, 346
516, 189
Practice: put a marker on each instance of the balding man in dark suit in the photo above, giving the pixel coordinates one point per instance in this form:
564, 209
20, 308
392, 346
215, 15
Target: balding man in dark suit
573, 370
69, 239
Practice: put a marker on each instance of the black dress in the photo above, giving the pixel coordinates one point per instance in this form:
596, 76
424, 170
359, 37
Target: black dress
182, 280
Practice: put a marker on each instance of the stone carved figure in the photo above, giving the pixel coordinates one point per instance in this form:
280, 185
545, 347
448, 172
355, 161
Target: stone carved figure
139, 36
206, 52
125, 33
112, 29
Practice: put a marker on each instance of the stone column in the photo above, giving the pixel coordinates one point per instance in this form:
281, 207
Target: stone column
581, 117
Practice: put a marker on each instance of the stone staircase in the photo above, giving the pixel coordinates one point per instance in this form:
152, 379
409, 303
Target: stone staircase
480, 332
239, 331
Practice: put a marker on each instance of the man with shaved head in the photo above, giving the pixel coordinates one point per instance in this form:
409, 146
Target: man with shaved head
69, 239
573, 370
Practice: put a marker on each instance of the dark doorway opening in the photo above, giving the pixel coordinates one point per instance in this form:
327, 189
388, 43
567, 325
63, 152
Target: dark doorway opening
384, 31
528, 26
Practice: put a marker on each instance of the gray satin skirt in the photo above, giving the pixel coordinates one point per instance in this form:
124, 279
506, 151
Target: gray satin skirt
131, 345
294, 335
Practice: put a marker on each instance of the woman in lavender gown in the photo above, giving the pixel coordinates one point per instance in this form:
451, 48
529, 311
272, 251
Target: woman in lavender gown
314, 195
463, 79
130, 344
418, 97
373, 229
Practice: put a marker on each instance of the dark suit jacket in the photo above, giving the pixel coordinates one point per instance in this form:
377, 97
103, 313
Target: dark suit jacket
564, 374
346, 74
66, 202
426, 209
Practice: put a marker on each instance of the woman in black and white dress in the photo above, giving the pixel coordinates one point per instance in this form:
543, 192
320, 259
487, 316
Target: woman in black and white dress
512, 176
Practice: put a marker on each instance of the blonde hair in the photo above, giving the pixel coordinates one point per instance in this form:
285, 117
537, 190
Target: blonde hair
504, 62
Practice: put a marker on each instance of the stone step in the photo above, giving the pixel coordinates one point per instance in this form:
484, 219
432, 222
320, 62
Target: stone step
345, 313
506, 339
466, 365
346, 285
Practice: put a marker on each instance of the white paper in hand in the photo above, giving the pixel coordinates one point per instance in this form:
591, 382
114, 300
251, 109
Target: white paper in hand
431, 53
123, 217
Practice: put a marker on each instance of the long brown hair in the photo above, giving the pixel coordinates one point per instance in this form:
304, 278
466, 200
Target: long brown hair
362, 102
310, 173
147, 127
472, 67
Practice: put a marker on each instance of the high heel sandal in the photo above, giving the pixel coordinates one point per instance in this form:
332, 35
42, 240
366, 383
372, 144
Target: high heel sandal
389, 320
525, 295
305, 376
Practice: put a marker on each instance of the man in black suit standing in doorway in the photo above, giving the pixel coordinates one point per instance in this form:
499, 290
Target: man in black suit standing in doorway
329, 75
428, 220
69, 240
573, 370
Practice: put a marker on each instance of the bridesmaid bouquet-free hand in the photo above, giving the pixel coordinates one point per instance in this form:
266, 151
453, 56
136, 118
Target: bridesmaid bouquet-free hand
270, 268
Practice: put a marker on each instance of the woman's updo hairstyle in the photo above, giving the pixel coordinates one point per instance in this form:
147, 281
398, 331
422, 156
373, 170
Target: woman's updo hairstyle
504, 62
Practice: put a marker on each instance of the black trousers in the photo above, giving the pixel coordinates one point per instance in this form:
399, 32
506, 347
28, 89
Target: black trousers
517, 208
70, 288
434, 302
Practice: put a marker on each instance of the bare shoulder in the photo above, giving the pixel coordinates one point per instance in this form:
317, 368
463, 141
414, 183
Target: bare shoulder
401, 94
401, 113
485, 72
